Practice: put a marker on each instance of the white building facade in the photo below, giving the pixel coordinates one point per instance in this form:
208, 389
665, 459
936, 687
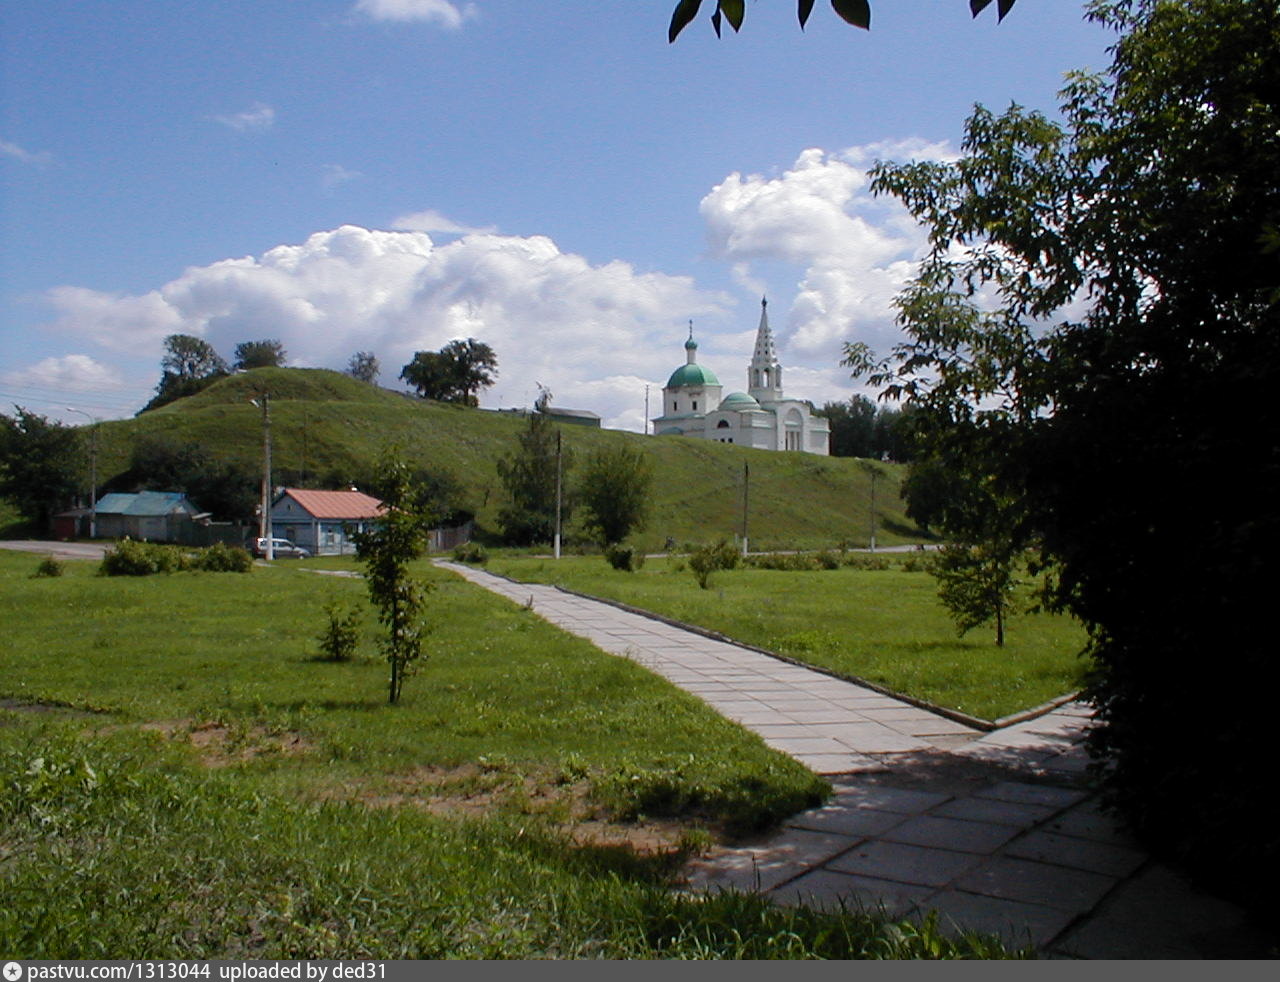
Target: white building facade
762, 417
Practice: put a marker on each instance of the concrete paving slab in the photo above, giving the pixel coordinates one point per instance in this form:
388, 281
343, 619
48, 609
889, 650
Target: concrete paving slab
1064, 850
902, 863
847, 820
832, 890
845, 763
1010, 813
1157, 914
1031, 794
806, 745
961, 835
1018, 924
901, 801
1087, 820
1072, 890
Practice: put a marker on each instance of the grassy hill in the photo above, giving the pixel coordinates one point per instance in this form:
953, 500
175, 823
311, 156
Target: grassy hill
329, 428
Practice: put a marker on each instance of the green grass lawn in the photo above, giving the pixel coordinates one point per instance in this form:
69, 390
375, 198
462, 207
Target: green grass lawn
212, 790
885, 626
502, 691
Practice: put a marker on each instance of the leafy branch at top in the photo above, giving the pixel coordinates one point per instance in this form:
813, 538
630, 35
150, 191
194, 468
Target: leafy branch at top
855, 12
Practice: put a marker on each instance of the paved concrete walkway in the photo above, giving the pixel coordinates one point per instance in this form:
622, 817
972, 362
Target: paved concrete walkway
996, 831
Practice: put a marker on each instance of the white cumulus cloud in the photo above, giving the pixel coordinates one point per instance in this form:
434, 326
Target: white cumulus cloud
70, 373
589, 332
443, 13
432, 221
854, 251
256, 118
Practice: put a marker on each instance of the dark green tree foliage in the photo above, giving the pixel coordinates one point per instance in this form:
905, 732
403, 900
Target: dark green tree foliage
189, 365
1156, 202
364, 366
386, 550
438, 496
259, 354
41, 465
859, 428
855, 12
529, 476
227, 489
455, 373
614, 493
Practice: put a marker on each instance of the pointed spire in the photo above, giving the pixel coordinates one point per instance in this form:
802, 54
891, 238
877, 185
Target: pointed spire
691, 347
764, 377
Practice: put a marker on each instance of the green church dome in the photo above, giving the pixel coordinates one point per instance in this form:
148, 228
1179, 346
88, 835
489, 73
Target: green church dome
740, 402
692, 375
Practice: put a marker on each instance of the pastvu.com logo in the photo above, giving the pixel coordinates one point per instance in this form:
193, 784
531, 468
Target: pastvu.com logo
12, 972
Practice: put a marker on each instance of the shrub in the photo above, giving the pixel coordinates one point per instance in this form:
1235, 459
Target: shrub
827, 559
708, 559
48, 567
131, 558
342, 634
222, 558
866, 562
627, 558
470, 552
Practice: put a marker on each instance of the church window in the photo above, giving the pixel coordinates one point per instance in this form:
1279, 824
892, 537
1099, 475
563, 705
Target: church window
695, 405
722, 425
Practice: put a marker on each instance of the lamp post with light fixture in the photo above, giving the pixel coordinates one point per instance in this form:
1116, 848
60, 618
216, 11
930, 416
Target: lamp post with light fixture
264, 517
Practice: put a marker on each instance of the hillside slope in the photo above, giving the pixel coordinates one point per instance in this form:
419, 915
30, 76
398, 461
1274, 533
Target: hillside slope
328, 428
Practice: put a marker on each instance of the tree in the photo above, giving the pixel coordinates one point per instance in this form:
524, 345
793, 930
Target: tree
614, 493
259, 354
852, 426
855, 12
455, 373
529, 475
1153, 206
386, 549
189, 365
40, 465
364, 366
225, 488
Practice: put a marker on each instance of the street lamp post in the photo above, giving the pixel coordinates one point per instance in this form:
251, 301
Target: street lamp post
264, 519
93, 470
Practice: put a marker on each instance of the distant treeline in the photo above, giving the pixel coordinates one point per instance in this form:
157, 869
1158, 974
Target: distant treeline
860, 428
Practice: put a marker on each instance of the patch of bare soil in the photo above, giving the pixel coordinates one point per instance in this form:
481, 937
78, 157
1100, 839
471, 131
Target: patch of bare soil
17, 706
472, 792
219, 745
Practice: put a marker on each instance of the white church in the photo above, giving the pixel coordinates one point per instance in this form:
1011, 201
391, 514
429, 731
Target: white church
762, 417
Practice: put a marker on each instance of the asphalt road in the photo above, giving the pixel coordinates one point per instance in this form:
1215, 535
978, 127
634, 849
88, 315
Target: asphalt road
61, 550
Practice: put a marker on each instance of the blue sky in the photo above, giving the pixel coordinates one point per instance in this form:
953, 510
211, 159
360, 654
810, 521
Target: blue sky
552, 178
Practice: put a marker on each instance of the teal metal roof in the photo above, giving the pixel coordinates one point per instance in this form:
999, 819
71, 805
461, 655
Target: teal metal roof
143, 503
692, 375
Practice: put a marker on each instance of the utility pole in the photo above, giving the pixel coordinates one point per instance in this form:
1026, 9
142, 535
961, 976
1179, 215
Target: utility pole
746, 491
646, 410
559, 482
93, 470
264, 518
874, 472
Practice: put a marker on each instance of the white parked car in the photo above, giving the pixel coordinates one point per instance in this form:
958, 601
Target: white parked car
280, 549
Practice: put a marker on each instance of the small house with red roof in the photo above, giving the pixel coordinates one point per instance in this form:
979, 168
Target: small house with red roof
325, 522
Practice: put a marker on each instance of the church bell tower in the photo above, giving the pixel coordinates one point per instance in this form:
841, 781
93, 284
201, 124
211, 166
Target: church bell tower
764, 377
